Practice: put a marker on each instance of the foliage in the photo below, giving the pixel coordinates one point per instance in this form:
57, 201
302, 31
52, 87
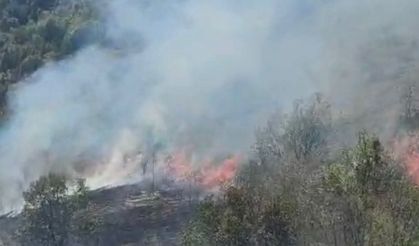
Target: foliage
33, 33
264, 207
234, 220
372, 197
295, 192
298, 136
50, 207
409, 113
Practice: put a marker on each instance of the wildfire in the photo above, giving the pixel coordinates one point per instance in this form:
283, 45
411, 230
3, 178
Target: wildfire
406, 149
224, 173
412, 166
210, 175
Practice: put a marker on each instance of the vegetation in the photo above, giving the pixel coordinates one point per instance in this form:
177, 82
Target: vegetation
33, 33
295, 192
51, 211
296, 189
372, 198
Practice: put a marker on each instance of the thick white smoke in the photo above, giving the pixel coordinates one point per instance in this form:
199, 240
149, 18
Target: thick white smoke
197, 74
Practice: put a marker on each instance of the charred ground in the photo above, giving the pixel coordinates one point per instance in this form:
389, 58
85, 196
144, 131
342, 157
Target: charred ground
129, 216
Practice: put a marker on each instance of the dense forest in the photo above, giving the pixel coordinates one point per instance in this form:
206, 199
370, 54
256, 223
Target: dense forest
308, 179
33, 33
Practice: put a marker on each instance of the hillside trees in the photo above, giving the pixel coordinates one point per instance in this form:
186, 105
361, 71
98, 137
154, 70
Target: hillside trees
372, 198
295, 191
237, 219
33, 33
269, 204
409, 114
51, 207
295, 136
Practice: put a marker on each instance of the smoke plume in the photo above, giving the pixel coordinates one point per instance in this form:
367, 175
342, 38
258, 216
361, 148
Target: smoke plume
202, 75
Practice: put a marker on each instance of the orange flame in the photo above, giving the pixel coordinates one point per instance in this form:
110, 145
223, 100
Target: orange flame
179, 167
406, 150
209, 175
412, 166
215, 176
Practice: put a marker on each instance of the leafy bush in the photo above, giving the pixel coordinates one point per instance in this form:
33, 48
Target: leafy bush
50, 213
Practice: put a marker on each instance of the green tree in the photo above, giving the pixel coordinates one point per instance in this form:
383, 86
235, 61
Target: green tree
238, 219
285, 174
296, 191
372, 198
50, 205
38, 31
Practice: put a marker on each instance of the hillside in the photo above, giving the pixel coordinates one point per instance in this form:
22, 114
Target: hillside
129, 216
33, 33
209, 123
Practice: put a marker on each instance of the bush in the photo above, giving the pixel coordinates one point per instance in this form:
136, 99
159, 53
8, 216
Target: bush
50, 206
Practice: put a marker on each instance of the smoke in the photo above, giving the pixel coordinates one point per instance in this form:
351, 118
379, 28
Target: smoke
201, 75
371, 59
